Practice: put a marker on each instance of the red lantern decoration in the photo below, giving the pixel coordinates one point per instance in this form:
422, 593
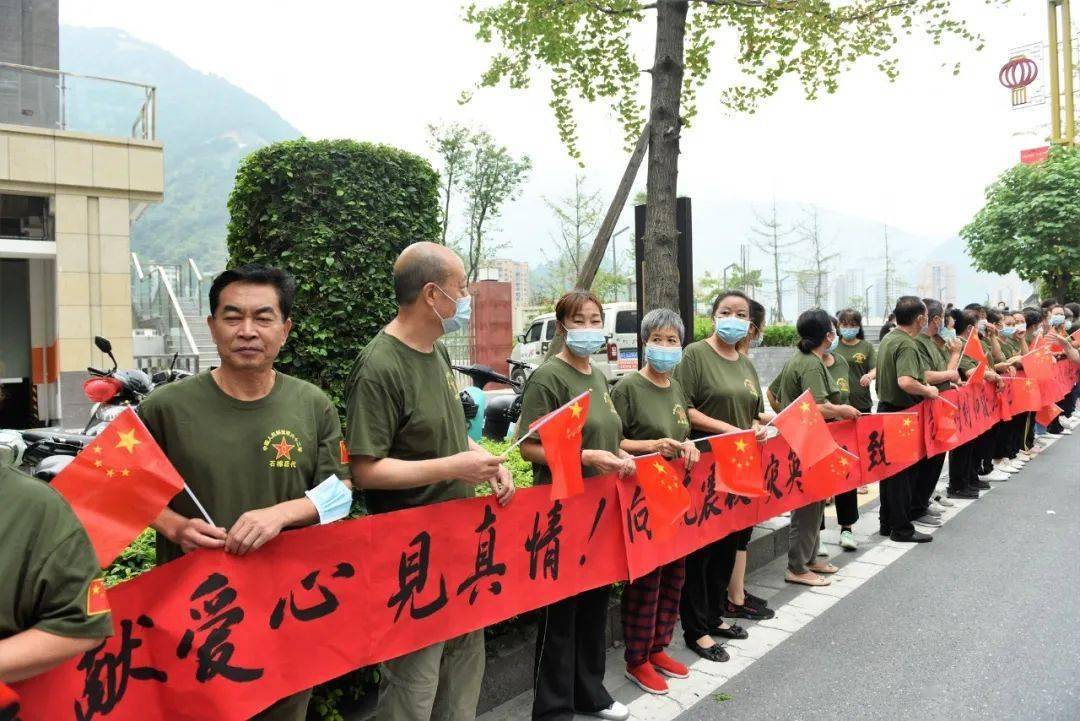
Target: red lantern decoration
1016, 75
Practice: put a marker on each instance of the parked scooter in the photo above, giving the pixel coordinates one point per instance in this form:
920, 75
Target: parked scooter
490, 416
113, 391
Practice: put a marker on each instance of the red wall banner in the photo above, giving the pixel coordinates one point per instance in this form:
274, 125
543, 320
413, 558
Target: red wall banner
215, 636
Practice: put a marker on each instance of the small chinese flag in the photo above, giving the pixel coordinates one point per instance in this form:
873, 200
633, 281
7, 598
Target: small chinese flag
560, 434
1046, 415
826, 477
9, 703
803, 427
973, 349
738, 464
97, 602
665, 494
118, 485
1025, 395
977, 374
901, 434
1038, 365
1076, 335
944, 420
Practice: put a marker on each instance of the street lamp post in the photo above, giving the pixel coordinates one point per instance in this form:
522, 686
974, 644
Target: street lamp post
866, 300
614, 262
726, 269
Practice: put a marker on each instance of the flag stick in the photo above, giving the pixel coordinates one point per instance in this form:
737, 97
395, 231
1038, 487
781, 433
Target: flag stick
198, 505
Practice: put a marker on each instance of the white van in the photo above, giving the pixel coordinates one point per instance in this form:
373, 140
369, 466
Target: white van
616, 360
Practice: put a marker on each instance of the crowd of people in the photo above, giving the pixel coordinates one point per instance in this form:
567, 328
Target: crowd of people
407, 446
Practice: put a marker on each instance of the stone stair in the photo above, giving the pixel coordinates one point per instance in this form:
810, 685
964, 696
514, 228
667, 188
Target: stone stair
208, 355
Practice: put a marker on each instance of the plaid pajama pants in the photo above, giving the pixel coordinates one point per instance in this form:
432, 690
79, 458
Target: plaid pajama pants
650, 608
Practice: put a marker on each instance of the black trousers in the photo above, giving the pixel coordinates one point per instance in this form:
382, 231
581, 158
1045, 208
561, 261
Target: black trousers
896, 493
570, 651
961, 470
847, 509
708, 571
927, 472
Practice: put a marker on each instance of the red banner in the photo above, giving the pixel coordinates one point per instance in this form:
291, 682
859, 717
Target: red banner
218, 636
888, 443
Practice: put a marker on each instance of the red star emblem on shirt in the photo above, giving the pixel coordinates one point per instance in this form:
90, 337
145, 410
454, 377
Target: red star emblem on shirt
284, 450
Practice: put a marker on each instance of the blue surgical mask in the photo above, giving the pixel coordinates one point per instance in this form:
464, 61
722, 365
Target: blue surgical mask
1021, 328
662, 358
1008, 331
1057, 320
730, 329
332, 499
461, 316
947, 334
756, 342
982, 326
849, 333
835, 342
583, 342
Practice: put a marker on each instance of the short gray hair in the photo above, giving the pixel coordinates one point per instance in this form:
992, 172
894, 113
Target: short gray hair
661, 318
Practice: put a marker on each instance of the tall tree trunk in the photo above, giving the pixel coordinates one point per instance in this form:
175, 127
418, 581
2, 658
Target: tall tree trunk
661, 273
446, 207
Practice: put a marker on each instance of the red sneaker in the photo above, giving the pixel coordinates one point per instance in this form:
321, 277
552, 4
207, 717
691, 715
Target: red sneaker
647, 678
668, 666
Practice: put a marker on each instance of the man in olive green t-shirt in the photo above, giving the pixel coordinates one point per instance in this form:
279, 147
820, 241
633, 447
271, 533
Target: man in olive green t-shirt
255, 446
939, 362
900, 385
52, 602
408, 446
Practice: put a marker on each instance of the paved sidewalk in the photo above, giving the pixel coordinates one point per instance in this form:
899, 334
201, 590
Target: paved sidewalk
744, 678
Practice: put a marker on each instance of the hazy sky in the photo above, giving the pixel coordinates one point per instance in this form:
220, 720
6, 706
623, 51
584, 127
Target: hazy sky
917, 153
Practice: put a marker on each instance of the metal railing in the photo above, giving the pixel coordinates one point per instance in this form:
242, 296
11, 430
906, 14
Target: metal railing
161, 362
47, 98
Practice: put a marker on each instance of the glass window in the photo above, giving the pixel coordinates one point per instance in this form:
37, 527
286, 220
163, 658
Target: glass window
25, 217
549, 332
626, 322
534, 333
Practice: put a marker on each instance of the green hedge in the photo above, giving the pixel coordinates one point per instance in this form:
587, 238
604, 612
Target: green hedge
780, 335
335, 213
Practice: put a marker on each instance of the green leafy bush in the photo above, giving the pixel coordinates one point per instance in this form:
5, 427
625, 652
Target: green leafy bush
779, 335
335, 213
139, 557
520, 469
703, 327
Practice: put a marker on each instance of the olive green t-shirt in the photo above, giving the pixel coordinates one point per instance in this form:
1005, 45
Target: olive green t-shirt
404, 404
860, 358
932, 358
649, 412
840, 375
46, 562
238, 456
803, 372
556, 383
897, 356
727, 390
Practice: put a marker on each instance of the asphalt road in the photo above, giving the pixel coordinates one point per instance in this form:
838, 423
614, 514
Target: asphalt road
983, 623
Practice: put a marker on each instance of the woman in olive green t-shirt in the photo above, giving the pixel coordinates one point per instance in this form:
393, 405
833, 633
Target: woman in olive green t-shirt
653, 407
571, 645
847, 380
806, 371
724, 393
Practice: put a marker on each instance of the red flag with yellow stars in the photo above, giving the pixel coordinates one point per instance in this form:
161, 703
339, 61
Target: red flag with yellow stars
973, 349
888, 443
738, 464
803, 427
945, 429
830, 475
118, 485
665, 495
1026, 395
977, 374
560, 434
1038, 365
97, 602
1046, 415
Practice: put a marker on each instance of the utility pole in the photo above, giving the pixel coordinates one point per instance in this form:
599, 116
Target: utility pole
888, 271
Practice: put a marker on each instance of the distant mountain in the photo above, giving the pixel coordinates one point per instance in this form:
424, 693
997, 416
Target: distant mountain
207, 125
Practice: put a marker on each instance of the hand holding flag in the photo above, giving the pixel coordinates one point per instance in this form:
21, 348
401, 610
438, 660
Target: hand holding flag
803, 427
